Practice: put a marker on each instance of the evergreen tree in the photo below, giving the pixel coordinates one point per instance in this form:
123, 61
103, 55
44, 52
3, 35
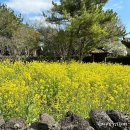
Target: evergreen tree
87, 24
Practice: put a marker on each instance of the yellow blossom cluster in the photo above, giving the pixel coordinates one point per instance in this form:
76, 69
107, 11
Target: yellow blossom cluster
29, 89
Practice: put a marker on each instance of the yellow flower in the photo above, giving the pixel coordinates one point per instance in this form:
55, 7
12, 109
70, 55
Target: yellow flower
28, 89
28, 76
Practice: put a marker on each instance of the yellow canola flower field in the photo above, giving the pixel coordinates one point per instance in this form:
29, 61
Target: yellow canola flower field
29, 89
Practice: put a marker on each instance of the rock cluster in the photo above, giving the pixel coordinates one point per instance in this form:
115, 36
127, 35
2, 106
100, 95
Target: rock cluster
74, 122
13, 124
99, 120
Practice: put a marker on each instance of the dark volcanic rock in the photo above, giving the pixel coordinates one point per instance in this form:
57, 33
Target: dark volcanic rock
101, 120
46, 122
34, 126
73, 122
122, 119
2, 122
15, 124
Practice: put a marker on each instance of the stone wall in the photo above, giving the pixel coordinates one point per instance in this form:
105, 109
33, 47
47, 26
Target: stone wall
99, 120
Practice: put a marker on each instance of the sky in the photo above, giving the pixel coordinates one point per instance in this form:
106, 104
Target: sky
31, 10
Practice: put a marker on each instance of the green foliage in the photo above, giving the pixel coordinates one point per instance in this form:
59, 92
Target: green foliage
9, 22
25, 37
14, 34
56, 43
86, 23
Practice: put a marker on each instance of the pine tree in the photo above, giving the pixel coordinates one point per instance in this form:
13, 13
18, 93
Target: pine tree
87, 24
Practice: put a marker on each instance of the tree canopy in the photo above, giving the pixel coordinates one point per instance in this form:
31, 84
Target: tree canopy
9, 22
15, 34
86, 24
81, 25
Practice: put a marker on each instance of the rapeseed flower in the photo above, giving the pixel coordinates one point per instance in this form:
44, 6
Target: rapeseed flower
29, 89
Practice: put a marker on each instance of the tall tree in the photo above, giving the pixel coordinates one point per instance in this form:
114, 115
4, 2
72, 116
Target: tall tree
55, 43
14, 34
25, 38
87, 24
9, 22
95, 28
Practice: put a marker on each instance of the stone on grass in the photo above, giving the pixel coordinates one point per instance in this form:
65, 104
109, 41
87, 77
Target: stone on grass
2, 122
15, 124
101, 120
121, 119
74, 122
46, 122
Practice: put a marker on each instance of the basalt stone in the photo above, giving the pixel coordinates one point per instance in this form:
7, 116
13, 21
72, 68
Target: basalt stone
42, 126
121, 119
74, 122
34, 126
2, 122
101, 120
15, 124
47, 122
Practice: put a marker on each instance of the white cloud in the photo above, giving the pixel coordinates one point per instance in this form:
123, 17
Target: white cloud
39, 21
37, 18
29, 6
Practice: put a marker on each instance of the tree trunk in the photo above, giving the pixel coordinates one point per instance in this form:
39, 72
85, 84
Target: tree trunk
69, 54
